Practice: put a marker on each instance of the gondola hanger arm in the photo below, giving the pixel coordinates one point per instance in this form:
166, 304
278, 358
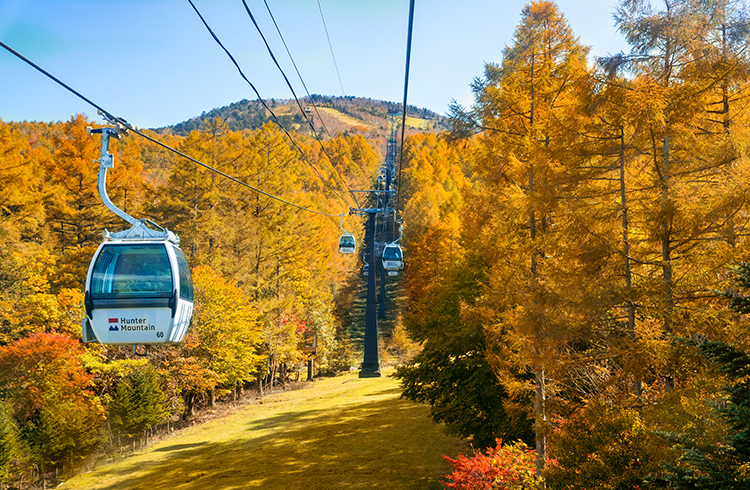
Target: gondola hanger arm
139, 230
341, 223
400, 232
107, 160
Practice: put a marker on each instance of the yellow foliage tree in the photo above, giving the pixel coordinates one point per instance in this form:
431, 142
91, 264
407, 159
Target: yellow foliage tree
221, 350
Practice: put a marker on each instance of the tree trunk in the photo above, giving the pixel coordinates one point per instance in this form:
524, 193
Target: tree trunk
540, 422
274, 366
666, 252
629, 305
189, 406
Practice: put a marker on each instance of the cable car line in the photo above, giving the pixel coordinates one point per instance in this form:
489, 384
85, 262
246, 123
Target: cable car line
122, 122
263, 102
297, 69
294, 94
233, 179
57, 80
331, 46
406, 91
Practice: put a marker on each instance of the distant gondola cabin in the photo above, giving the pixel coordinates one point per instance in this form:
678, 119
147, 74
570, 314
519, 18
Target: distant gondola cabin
393, 257
347, 244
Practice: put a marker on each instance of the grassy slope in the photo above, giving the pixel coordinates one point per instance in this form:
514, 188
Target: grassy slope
344, 118
341, 432
418, 123
413, 122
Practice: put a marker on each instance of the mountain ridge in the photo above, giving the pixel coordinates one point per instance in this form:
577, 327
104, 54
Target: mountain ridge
330, 115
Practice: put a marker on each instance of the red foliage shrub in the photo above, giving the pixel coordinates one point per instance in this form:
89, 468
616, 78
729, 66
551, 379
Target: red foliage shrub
508, 467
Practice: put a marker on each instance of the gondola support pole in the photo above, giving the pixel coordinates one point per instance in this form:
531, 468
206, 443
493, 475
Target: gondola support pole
370, 363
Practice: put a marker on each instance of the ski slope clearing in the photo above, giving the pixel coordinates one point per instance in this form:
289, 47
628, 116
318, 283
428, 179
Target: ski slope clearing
341, 432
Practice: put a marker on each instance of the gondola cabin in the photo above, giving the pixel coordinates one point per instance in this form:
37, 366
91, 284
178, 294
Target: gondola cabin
138, 292
347, 244
393, 257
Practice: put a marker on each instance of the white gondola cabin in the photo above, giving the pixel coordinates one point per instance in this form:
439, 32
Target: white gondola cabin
138, 292
393, 257
347, 244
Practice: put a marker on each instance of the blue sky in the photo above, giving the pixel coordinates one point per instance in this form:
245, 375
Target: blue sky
153, 63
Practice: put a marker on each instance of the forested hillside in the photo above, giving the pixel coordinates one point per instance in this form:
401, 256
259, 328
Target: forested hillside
327, 113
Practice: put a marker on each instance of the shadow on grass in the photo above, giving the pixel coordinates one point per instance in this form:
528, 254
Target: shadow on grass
392, 391
178, 447
380, 444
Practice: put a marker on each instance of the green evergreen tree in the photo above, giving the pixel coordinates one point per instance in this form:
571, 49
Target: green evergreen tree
139, 402
10, 448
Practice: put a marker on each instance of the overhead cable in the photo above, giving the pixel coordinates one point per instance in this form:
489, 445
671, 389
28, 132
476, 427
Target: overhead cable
297, 69
263, 102
406, 91
331, 46
294, 94
118, 120
233, 179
